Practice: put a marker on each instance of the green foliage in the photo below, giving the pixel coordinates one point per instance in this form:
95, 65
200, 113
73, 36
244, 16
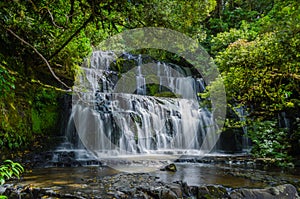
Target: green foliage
9, 113
257, 52
166, 94
152, 89
64, 32
255, 43
270, 141
6, 82
13, 128
122, 66
10, 169
44, 111
262, 72
231, 14
220, 42
42, 121
11, 140
183, 16
27, 115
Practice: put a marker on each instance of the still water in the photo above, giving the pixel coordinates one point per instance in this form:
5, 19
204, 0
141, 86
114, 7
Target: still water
84, 179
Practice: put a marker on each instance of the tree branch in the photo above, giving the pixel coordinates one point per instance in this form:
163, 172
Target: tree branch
52, 19
72, 36
39, 54
72, 11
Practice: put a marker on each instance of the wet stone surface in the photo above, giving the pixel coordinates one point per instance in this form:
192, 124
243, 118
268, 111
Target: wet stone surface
144, 185
209, 177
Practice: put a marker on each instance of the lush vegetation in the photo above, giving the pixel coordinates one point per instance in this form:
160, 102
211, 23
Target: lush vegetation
255, 44
260, 65
8, 170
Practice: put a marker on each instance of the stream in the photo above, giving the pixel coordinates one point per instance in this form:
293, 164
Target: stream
192, 173
106, 182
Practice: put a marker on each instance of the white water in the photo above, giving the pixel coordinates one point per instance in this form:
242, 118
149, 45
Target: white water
242, 114
120, 123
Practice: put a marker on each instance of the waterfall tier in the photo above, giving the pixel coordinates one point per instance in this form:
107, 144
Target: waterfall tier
114, 115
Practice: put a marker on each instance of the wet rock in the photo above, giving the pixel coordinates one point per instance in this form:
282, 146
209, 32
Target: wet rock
297, 163
185, 188
170, 167
286, 191
202, 192
241, 161
145, 186
168, 194
193, 190
11, 194
4, 187
176, 188
141, 195
212, 191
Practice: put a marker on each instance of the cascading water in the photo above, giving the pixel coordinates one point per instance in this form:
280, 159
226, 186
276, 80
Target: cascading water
116, 117
246, 143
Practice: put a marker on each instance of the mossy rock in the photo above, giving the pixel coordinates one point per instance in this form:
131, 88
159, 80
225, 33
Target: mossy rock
211, 191
122, 65
166, 94
171, 167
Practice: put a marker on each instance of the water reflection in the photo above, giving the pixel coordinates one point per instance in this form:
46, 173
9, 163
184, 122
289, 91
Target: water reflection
48, 177
85, 178
199, 174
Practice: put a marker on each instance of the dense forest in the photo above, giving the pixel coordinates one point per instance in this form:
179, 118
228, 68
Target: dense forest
254, 43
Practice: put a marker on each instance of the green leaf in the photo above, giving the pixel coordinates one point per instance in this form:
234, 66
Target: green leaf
2, 181
16, 172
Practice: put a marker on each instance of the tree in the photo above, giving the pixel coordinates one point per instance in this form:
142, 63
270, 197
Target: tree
262, 73
43, 43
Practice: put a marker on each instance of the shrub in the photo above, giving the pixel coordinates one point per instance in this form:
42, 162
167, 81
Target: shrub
10, 169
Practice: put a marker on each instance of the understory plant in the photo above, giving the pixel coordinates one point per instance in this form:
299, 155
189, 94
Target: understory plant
8, 170
270, 141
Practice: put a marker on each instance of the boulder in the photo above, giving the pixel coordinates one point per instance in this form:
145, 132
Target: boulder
286, 191
170, 167
176, 188
212, 191
168, 194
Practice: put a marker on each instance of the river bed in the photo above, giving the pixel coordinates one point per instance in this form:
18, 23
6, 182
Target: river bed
85, 179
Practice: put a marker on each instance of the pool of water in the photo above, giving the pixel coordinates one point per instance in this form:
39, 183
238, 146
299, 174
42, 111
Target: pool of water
86, 179
192, 173
199, 174
65, 177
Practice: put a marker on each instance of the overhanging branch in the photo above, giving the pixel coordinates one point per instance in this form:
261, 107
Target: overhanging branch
40, 55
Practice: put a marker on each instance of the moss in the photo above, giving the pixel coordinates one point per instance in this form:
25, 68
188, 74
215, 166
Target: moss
152, 89
122, 65
26, 113
44, 121
14, 128
36, 121
166, 94
45, 110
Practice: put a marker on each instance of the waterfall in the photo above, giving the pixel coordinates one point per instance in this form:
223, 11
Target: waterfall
246, 143
112, 119
140, 80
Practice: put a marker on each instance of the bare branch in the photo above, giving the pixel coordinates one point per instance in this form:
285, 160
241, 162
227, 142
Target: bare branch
52, 19
39, 54
71, 11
